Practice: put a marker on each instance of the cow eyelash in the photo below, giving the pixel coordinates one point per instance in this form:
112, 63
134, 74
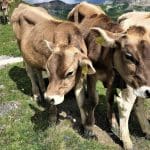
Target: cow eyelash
69, 74
130, 57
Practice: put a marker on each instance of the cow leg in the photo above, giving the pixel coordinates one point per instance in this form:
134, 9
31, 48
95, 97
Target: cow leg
35, 89
41, 81
110, 111
92, 102
125, 102
141, 116
87, 113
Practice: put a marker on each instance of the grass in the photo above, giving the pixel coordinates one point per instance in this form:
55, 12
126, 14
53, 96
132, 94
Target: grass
8, 42
20, 129
27, 127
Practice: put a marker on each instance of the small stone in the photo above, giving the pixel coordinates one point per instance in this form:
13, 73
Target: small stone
63, 114
2, 86
5, 108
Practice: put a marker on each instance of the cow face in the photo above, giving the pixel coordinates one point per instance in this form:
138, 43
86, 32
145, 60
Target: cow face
64, 66
130, 51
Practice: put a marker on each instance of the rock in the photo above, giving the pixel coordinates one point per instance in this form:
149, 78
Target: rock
2, 86
5, 108
104, 138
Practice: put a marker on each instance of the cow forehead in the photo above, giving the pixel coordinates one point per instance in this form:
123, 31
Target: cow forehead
134, 38
63, 59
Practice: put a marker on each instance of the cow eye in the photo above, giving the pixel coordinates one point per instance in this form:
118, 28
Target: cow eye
69, 74
130, 57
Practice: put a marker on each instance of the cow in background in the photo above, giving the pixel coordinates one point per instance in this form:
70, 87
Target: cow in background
115, 57
82, 10
4, 9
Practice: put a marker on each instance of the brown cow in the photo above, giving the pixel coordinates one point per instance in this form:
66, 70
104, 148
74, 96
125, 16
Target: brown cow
83, 9
57, 47
117, 51
4, 8
128, 22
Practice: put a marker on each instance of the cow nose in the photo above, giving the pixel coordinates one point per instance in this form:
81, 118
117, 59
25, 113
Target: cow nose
50, 101
147, 93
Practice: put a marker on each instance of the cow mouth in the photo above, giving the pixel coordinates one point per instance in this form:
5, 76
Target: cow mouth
54, 99
143, 92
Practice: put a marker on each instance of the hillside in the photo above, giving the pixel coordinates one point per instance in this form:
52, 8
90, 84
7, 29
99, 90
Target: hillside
57, 8
113, 8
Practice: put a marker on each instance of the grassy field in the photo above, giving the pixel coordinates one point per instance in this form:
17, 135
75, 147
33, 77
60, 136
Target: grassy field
8, 44
27, 127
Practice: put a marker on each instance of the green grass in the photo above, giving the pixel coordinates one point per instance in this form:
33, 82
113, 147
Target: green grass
8, 42
20, 129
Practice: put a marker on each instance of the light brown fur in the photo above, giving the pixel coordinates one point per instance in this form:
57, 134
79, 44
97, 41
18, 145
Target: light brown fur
56, 47
112, 54
83, 10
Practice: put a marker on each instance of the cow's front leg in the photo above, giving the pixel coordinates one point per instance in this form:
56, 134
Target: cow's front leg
141, 116
125, 102
86, 109
92, 102
110, 110
34, 81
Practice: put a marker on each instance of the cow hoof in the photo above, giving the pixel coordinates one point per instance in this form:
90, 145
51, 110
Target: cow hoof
128, 146
89, 134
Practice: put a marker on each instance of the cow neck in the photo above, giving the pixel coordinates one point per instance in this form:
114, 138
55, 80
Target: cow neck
118, 81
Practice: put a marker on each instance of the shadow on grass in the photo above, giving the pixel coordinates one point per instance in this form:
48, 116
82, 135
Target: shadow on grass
41, 118
19, 76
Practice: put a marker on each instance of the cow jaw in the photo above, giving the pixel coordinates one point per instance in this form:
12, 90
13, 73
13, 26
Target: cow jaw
143, 91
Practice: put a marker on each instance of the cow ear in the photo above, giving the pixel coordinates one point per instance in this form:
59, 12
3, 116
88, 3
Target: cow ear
105, 38
87, 66
49, 45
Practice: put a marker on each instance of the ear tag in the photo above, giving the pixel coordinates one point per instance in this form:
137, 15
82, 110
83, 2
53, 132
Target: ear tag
85, 70
100, 40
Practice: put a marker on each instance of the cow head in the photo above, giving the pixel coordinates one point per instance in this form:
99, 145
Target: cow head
64, 68
131, 50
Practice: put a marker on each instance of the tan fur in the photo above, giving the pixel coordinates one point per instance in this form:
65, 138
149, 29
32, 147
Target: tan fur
83, 9
110, 54
55, 46
134, 18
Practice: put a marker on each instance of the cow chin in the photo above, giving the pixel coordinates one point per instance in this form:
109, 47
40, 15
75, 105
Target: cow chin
143, 91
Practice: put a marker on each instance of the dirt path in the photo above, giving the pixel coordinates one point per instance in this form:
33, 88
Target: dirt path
5, 60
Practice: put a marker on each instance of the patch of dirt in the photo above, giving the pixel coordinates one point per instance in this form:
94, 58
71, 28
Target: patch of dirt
104, 138
5, 60
5, 108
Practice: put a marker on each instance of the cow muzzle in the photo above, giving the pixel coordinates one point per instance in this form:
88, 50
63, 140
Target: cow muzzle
143, 92
54, 99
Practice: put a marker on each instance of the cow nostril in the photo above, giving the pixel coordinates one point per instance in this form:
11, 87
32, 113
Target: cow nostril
52, 101
49, 101
147, 92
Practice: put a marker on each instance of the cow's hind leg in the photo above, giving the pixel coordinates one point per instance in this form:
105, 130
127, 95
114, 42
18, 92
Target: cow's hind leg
125, 102
141, 116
